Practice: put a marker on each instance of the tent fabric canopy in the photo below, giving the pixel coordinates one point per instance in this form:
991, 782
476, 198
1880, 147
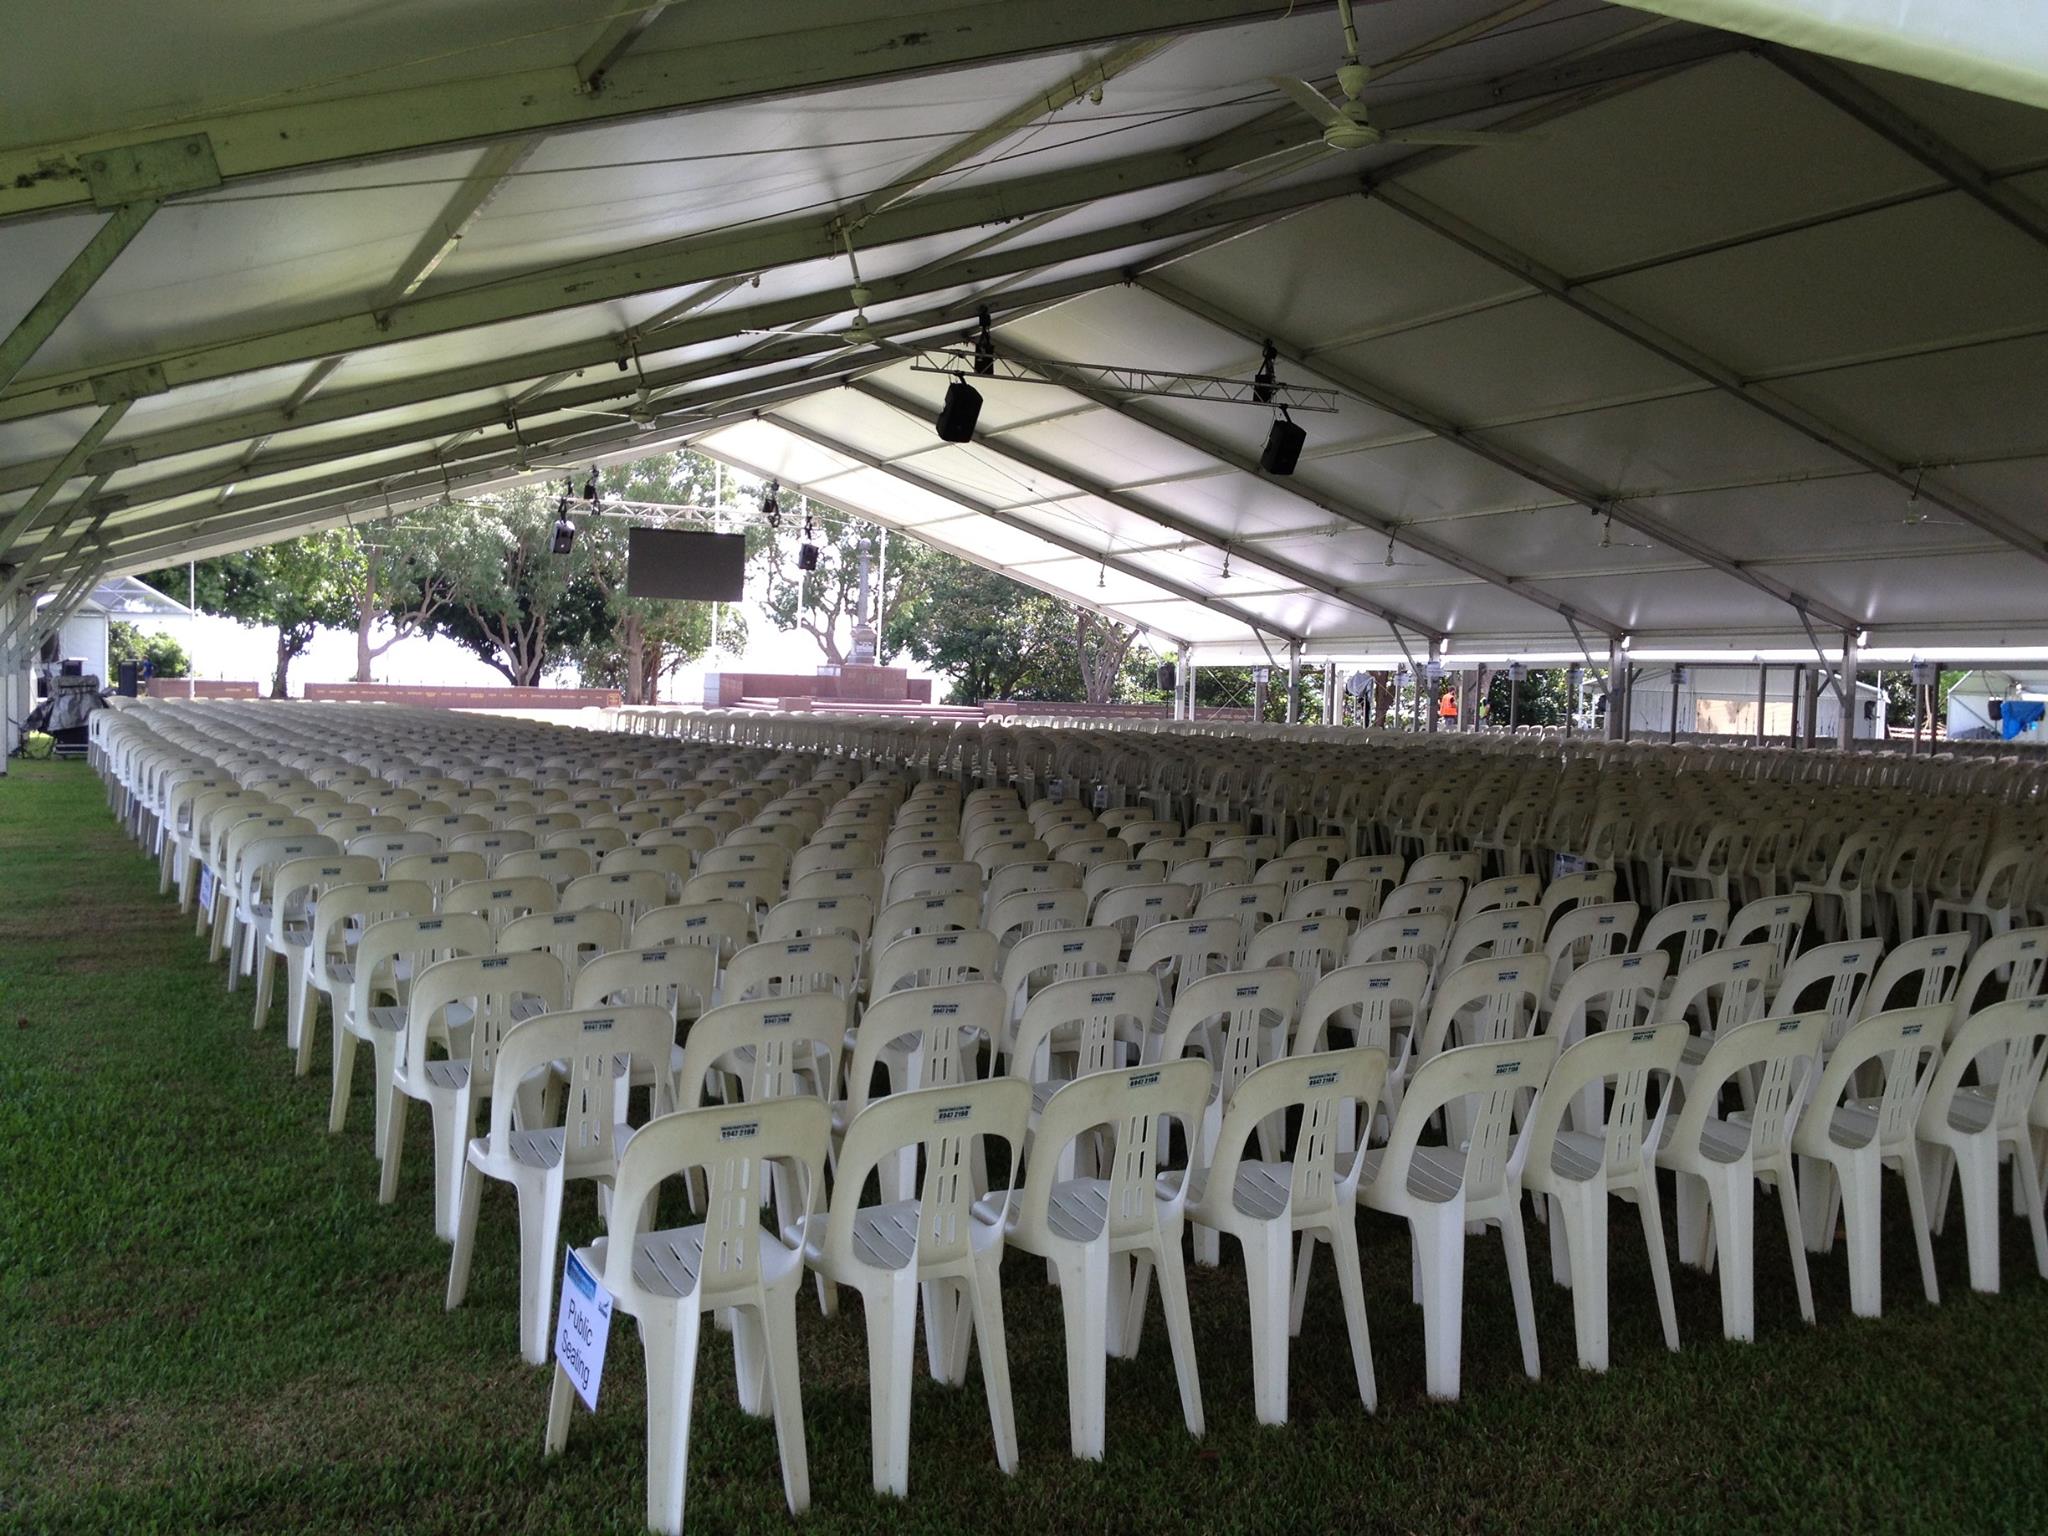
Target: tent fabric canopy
1735, 347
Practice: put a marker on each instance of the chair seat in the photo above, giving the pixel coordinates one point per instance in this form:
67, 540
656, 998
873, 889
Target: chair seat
543, 1149
1434, 1173
1970, 1110
1260, 1192
1076, 1211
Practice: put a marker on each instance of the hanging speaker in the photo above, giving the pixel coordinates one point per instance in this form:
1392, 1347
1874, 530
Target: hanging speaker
1283, 448
960, 412
1165, 680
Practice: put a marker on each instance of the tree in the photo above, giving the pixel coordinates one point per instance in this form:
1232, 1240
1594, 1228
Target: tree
1541, 698
823, 603
397, 586
1100, 646
994, 638
509, 599
297, 585
163, 652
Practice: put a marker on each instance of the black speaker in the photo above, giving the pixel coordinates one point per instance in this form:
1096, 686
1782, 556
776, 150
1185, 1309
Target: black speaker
807, 557
960, 412
1283, 448
1165, 680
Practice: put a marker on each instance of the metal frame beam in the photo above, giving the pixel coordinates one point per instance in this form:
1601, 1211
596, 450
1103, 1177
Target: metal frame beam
72, 284
1905, 133
1550, 478
65, 468
1336, 506
791, 53
1247, 554
1073, 546
1682, 355
696, 259
799, 351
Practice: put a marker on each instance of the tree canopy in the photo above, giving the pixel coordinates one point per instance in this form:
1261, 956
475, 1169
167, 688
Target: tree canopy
296, 587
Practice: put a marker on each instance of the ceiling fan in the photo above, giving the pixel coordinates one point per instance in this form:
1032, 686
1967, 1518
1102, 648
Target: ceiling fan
643, 412
1346, 125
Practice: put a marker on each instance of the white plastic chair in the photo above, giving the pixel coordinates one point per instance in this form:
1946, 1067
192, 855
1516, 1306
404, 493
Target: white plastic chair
539, 1160
1442, 1190
1577, 1166
930, 1242
1844, 1142
1972, 1128
667, 1280
1264, 1201
1090, 1229
469, 1003
1720, 1160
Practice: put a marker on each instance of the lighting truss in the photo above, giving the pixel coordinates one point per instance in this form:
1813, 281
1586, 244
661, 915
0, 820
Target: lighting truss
1266, 395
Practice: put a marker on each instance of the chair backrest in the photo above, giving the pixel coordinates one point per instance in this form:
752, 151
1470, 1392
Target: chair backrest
945, 1023
798, 917
1494, 935
1308, 946
342, 906
754, 886
1464, 866
1904, 1045
1026, 912
1581, 888
1621, 990
1831, 979
443, 871
1089, 1015
935, 913
1486, 1000
935, 959
1696, 926
1411, 936
1502, 891
418, 941
571, 937
1774, 1058
1326, 1089
1779, 921
491, 987
2017, 959
628, 893
943, 1122
734, 1145
1230, 1013
1494, 1076
778, 1047
1134, 907
499, 901
1589, 931
1721, 990
1933, 963
1059, 954
297, 885
2005, 1047
1355, 900
1134, 1104
676, 978
1626, 1059
1211, 873
724, 926
1369, 1000
826, 962
1424, 895
557, 865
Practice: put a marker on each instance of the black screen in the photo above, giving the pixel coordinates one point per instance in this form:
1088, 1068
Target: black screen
675, 563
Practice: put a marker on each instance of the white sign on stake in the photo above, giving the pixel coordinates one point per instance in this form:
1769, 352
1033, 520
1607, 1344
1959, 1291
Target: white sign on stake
581, 1330
206, 890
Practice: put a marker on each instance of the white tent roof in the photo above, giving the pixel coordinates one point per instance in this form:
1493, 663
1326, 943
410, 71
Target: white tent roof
1737, 342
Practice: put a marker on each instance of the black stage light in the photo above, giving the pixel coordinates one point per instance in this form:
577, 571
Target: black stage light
565, 535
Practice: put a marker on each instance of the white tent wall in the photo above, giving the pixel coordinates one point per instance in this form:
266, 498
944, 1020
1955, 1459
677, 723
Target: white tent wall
1722, 701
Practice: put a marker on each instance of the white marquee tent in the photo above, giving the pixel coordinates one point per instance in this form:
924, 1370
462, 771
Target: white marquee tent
1738, 347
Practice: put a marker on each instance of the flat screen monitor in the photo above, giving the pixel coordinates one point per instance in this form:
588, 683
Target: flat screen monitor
687, 565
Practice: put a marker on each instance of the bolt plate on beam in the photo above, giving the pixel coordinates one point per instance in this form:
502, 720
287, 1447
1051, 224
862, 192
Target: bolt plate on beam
129, 384
150, 172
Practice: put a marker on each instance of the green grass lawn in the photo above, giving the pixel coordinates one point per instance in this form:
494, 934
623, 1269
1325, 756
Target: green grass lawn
211, 1324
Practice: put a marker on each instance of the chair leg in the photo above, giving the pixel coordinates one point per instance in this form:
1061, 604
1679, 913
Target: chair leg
668, 1338
1343, 1236
1084, 1284
1731, 1199
465, 1237
985, 1296
1916, 1208
393, 1107
1817, 1203
452, 1126
344, 1077
1862, 1208
1518, 1283
1788, 1201
1584, 1217
2026, 1180
540, 1224
1439, 1244
892, 1330
1977, 1173
1267, 1261
1180, 1331
779, 1325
